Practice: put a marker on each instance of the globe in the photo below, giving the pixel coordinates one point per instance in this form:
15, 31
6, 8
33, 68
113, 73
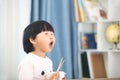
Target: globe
113, 34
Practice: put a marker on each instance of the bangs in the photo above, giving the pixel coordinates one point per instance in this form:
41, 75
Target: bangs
47, 28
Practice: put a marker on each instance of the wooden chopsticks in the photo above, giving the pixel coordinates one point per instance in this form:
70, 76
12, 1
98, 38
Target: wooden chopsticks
60, 64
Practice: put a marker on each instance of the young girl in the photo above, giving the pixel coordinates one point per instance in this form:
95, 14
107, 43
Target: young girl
38, 39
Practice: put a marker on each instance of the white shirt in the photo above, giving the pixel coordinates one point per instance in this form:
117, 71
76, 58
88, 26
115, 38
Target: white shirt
33, 67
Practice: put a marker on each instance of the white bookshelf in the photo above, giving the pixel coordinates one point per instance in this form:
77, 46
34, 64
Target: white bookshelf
111, 56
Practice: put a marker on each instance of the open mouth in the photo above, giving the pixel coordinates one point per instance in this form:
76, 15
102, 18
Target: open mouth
51, 43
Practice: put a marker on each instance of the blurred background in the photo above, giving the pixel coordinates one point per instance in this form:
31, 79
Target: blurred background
15, 15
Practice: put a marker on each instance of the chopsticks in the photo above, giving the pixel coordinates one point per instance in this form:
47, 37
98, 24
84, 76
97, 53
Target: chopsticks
60, 64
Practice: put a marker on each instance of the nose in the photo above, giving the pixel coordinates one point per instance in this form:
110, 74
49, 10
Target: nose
51, 36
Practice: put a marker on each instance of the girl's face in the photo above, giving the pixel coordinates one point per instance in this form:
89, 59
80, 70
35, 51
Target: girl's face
44, 41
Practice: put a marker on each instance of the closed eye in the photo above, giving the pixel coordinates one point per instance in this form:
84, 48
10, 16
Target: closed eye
46, 33
52, 34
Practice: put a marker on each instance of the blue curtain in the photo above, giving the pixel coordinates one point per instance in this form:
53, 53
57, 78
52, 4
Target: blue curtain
60, 13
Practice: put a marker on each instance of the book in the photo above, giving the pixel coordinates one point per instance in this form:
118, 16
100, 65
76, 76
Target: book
81, 10
95, 10
76, 11
84, 63
88, 40
96, 65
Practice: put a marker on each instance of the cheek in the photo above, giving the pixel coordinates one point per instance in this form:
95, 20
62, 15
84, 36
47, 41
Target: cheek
42, 42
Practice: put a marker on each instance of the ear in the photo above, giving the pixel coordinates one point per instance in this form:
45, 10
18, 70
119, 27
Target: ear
32, 41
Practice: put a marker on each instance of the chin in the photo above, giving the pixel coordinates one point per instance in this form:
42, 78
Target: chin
49, 50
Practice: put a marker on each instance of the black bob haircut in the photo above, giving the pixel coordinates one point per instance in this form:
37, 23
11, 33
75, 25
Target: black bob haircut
32, 30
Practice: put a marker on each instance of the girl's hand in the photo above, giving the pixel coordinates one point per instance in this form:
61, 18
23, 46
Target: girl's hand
55, 76
64, 78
